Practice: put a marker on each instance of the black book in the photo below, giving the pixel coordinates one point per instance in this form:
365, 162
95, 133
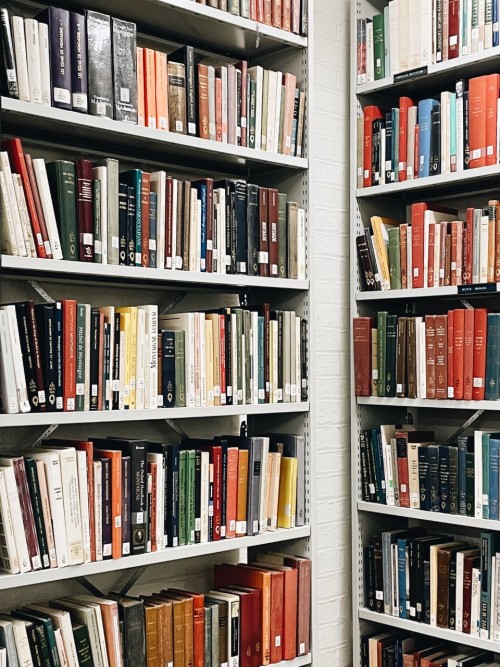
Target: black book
125, 70
376, 166
197, 496
469, 483
107, 528
78, 49
99, 64
390, 363
9, 73
168, 368
423, 478
252, 229
122, 223
452, 589
95, 335
363, 457
126, 485
34, 643
45, 319
172, 499
115, 387
131, 225
226, 184
444, 479
370, 576
372, 478
228, 327
162, 448
388, 166
378, 572
28, 355
83, 648
240, 223
45, 635
365, 266
106, 363
153, 205
131, 614
453, 454
36, 503
466, 129
435, 502
186, 56
223, 514
58, 24
371, 253
59, 354
435, 157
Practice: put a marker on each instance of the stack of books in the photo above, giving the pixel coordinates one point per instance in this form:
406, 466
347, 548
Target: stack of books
87, 501
289, 15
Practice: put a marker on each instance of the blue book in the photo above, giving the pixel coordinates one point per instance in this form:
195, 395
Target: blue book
423, 478
493, 357
153, 204
444, 479
402, 559
425, 108
58, 23
434, 500
78, 44
202, 195
133, 178
464, 441
495, 12
493, 479
379, 463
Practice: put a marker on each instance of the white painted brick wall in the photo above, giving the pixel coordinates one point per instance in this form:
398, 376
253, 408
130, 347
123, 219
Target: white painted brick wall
331, 238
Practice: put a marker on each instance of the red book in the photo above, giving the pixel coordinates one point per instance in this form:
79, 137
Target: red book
477, 121
362, 346
287, 15
18, 164
204, 130
370, 113
38, 206
468, 353
417, 240
243, 66
263, 255
479, 353
253, 10
402, 462
84, 213
149, 88
218, 109
145, 187
116, 497
470, 562
255, 623
276, 613
260, 11
450, 367
276, 13
458, 353
198, 623
69, 354
454, 252
492, 89
404, 104
454, 29
273, 232
441, 354
169, 204
430, 355
290, 83
141, 104
215, 458
231, 491
469, 240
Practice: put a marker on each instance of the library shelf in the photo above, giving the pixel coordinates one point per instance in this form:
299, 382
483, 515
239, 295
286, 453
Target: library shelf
112, 416
434, 517
301, 661
429, 292
53, 269
428, 403
430, 631
101, 134
8, 581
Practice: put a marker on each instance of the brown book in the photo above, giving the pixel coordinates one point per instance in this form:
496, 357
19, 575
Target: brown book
250, 623
241, 503
470, 562
152, 640
166, 622
276, 13
447, 260
362, 347
496, 205
443, 584
442, 254
286, 22
38, 205
203, 123
141, 105
145, 188
430, 355
184, 617
272, 234
441, 356
180, 226
429, 660
468, 353
263, 254
401, 357
411, 355
198, 623
176, 97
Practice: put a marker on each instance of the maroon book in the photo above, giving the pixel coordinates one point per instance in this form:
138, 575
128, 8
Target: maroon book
35, 347
84, 212
247, 621
273, 232
470, 562
263, 254
362, 346
169, 204
255, 622
38, 206
145, 187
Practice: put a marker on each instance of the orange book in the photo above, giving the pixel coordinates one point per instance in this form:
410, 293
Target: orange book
268, 12
370, 113
441, 356
162, 609
145, 189
430, 355
166, 612
218, 109
492, 90
228, 574
177, 616
69, 354
141, 113
231, 491
241, 504
479, 353
161, 90
286, 22
458, 353
198, 600
404, 104
290, 83
204, 129
149, 88
111, 623
116, 497
477, 121
468, 353
450, 367
276, 614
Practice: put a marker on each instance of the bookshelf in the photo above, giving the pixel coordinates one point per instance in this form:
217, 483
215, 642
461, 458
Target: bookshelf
54, 133
446, 417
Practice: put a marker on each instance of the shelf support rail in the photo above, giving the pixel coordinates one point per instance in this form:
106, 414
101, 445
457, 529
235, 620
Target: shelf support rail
131, 581
83, 581
172, 304
46, 434
176, 428
465, 425
41, 291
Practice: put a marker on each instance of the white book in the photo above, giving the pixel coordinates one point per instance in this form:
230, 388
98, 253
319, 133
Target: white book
8, 239
483, 250
98, 509
488, 24
101, 246
231, 107
271, 110
254, 354
394, 35
437, 254
293, 359
459, 124
173, 260
47, 206
475, 604
12, 202
158, 186
86, 404
90, 615
193, 213
234, 369
158, 460
203, 360
410, 144
110, 196
232, 624
47, 516
495, 607
184, 322
420, 352
17, 518
21, 641
277, 117
370, 72
257, 74
81, 458
151, 327
17, 359
33, 58
445, 126
24, 216
9, 560
387, 432
482, 22
43, 43
403, 27
140, 360
61, 651
19, 39
425, 31
122, 382
478, 474
8, 641
459, 597
414, 17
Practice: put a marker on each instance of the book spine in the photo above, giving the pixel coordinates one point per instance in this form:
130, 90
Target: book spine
78, 42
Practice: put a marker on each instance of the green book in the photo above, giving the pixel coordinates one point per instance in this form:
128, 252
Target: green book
80, 355
82, 643
394, 258
36, 502
390, 355
183, 465
381, 342
96, 214
378, 47
282, 119
61, 175
251, 112
282, 263
180, 369
190, 496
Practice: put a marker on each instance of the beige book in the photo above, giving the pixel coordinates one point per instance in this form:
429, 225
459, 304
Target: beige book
9, 561
89, 615
141, 350
209, 358
176, 97
12, 203
274, 490
47, 516
300, 151
61, 651
24, 217
108, 610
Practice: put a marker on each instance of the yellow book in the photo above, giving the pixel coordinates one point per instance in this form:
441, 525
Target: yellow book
380, 228
132, 352
287, 493
124, 360
209, 361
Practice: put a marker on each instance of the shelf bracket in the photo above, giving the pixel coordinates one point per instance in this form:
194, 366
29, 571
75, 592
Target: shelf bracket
466, 304
132, 580
465, 425
46, 434
41, 291
83, 581
176, 428
175, 301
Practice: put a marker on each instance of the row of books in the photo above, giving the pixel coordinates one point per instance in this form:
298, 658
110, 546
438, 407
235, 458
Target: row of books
87, 501
253, 615
403, 467
289, 15
413, 34
432, 248
91, 212
455, 131
403, 649
91, 64
67, 356
446, 356
436, 579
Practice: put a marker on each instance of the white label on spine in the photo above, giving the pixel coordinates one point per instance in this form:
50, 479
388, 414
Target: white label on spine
191, 127
403, 488
93, 390
125, 95
263, 257
101, 108
152, 244
126, 548
302, 648
197, 524
277, 641
88, 239
70, 405
115, 386
179, 126
241, 526
80, 388
140, 517
48, 249
375, 373
62, 95
41, 396
256, 526
80, 101
118, 521
97, 247
37, 563
115, 242
106, 550
59, 403
451, 392
379, 595
477, 382
138, 258
209, 244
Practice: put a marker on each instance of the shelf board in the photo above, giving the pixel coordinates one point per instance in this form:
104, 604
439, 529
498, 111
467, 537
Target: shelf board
428, 403
143, 560
189, 22
301, 661
428, 630
429, 293
96, 133
445, 183
111, 416
472, 65
61, 269
435, 517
